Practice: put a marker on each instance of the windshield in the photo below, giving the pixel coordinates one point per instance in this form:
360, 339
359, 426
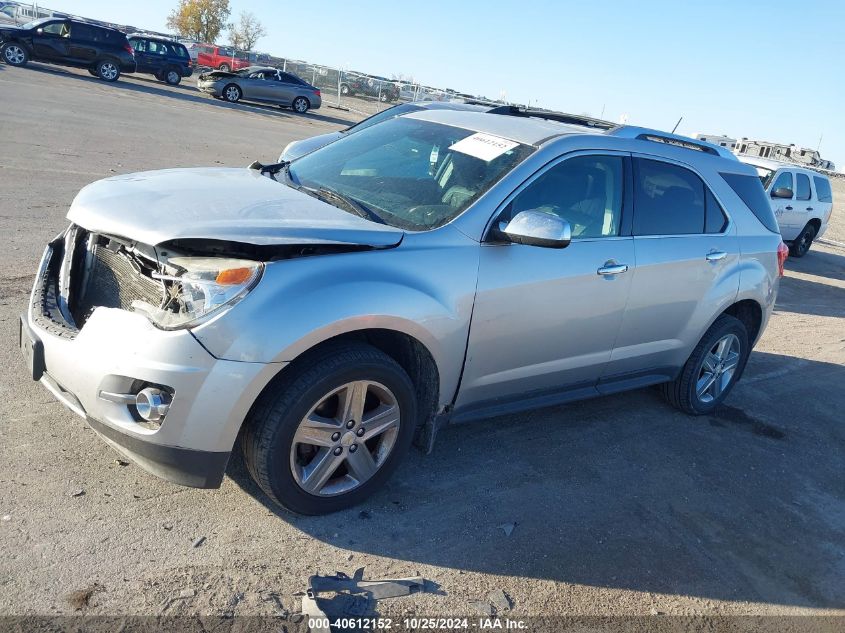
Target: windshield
402, 108
35, 23
765, 175
411, 174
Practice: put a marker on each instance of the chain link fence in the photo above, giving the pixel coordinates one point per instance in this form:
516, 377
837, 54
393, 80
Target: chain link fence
363, 93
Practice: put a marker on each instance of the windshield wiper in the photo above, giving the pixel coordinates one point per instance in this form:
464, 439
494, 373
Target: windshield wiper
358, 208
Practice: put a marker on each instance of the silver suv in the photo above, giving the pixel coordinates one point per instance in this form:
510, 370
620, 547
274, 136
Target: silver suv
438, 267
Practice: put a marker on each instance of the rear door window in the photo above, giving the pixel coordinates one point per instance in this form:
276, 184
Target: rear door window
803, 187
715, 220
668, 199
823, 192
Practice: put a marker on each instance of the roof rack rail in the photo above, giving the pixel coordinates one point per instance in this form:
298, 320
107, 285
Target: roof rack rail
658, 136
550, 115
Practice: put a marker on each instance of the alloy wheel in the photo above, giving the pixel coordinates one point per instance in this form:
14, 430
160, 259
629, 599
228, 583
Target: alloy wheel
232, 94
345, 438
108, 71
718, 368
172, 77
300, 105
14, 55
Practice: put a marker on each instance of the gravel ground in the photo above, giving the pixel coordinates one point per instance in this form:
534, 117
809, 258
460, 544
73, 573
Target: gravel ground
618, 506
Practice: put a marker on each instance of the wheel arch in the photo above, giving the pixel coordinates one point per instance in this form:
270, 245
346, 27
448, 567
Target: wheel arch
408, 351
816, 223
750, 313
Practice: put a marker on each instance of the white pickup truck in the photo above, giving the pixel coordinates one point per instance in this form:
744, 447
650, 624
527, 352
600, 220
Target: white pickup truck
801, 199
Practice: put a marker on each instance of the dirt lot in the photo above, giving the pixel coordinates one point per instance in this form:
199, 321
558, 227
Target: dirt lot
619, 505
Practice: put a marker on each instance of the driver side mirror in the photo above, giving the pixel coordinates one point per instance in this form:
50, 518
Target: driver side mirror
537, 228
782, 192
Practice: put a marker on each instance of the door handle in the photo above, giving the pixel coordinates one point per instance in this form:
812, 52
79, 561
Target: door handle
715, 256
809, 208
610, 269
789, 208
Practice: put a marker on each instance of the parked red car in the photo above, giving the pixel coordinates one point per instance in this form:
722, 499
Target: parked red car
221, 57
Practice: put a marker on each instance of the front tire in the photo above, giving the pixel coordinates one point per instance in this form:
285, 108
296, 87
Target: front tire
713, 368
232, 93
108, 70
301, 105
329, 433
802, 243
225, 68
15, 54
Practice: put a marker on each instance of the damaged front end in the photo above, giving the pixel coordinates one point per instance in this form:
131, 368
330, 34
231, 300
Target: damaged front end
178, 284
87, 271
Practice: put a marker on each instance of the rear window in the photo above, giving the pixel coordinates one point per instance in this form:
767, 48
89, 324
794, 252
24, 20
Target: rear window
823, 192
751, 192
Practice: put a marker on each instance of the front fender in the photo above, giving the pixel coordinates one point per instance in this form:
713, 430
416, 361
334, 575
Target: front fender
423, 288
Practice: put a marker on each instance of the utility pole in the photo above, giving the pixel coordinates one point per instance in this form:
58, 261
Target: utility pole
821, 136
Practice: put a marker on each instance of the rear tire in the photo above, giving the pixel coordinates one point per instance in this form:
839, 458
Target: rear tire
277, 444
225, 68
301, 105
802, 243
15, 54
108, 70
172, 77
708, 365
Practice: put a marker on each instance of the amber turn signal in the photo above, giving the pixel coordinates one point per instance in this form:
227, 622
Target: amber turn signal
233, 276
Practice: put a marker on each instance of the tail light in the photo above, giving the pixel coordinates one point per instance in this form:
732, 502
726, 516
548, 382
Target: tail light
128, 48
783, 253
317, 92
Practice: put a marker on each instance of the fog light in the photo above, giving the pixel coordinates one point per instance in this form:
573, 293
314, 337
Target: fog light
152, 404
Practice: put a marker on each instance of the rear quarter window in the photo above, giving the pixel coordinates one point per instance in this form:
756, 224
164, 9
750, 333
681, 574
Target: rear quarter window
751, 192
823, 192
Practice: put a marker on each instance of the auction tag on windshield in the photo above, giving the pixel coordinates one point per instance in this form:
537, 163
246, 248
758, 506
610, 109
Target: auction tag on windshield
483, 146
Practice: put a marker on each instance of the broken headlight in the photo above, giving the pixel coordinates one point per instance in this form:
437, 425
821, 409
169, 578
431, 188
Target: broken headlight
199, 288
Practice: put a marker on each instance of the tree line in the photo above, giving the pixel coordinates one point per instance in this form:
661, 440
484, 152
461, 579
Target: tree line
205, 20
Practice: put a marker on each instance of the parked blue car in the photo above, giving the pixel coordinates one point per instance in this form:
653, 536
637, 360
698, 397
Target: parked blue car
167, 60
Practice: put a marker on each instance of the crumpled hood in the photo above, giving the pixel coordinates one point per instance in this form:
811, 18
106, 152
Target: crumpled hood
237, 205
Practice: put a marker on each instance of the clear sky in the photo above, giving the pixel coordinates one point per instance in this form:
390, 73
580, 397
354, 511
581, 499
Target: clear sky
766, 69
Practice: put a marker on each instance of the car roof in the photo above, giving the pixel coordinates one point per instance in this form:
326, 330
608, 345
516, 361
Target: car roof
155, 38
450, 105
525, 130
774, 165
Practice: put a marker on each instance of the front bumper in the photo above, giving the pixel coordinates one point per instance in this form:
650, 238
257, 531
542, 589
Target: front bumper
213, 88
117, 352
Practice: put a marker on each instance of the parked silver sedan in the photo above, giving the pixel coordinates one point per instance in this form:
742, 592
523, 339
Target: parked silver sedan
264, 84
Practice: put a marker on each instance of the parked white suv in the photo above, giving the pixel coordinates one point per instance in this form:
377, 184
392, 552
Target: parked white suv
801, 200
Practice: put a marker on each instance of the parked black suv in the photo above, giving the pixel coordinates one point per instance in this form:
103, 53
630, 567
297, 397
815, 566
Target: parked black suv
103, 51
167, 60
